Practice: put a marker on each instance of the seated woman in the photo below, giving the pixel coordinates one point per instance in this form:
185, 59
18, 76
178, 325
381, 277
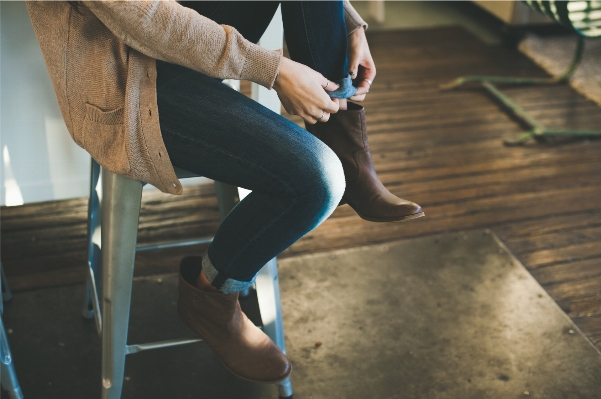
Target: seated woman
138, 84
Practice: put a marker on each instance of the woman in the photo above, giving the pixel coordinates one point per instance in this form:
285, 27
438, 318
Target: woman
138, 84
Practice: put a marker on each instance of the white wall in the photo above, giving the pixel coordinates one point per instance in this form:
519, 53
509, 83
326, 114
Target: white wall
39, 160
44, 163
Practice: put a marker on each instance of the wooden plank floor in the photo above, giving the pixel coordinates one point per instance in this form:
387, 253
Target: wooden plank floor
442, 150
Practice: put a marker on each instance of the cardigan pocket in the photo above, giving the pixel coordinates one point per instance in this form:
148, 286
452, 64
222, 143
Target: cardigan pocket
104, 138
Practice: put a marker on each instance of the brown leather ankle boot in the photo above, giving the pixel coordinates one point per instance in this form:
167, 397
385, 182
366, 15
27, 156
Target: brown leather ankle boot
243, 348
346, 134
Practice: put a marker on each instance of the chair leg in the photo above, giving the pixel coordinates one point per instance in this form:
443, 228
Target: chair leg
227, 198
93, 287
121, 200
7, 370
268, 295
8, 377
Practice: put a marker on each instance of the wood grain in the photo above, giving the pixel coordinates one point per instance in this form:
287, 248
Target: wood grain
441, 149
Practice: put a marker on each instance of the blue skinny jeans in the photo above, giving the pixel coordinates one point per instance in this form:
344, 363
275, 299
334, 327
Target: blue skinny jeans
214, 131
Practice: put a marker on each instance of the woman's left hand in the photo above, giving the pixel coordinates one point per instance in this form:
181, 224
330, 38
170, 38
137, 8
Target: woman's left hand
361, 64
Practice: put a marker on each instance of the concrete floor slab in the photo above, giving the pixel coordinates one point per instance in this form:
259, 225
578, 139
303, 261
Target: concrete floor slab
452, 316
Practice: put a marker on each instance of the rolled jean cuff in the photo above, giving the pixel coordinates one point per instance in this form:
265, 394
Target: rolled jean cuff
346, 89
222, 282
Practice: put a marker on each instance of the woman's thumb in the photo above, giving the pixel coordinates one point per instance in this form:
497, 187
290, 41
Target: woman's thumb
353, 68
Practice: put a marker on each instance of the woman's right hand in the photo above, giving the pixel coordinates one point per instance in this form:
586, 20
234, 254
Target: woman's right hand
301, 91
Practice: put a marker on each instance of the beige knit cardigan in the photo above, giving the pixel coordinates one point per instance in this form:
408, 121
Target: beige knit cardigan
101, 60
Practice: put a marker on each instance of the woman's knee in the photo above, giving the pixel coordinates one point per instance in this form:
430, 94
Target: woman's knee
325, 182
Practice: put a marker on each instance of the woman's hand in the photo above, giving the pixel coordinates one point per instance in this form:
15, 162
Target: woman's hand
301, 91
361, 64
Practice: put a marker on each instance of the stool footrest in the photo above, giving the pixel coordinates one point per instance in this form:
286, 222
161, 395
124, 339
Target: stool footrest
174, 244
161, 344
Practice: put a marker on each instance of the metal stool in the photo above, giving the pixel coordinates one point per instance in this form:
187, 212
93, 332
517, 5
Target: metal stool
110, 270
8, 377
120, 209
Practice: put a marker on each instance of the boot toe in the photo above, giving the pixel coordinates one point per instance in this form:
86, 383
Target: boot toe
389, 209
408, 210
264, 363
274, 370
414, 208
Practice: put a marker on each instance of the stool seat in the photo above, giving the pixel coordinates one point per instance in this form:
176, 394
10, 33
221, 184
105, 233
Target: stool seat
183, 174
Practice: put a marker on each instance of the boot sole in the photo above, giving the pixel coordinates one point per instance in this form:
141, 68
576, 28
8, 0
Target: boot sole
395, 219
256, 381
184, 314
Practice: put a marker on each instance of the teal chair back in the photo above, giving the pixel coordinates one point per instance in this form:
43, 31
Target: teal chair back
584, 17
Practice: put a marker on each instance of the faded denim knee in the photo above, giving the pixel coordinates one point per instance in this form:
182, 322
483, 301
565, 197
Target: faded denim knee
325, 183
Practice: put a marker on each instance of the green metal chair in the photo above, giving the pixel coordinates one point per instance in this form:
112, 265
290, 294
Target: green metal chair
584, 18
8, 376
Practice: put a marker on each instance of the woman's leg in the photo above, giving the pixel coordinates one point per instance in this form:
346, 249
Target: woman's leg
250, 18
297, 181
315, 32
316, 36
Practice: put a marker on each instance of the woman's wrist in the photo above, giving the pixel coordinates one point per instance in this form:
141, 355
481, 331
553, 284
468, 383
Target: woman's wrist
360, 31
281, 73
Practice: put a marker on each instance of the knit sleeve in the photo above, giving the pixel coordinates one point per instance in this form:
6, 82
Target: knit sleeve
167, 31
352, 18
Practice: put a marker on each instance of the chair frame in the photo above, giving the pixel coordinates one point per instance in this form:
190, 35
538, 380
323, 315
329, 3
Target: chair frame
571, 16
118, 208
8, 376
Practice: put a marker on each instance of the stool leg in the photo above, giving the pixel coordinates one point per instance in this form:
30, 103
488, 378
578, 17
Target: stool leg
120, 213
90, 306
268, 295
227, 198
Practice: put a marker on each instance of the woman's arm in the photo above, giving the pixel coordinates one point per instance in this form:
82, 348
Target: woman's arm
352, 19
170, 32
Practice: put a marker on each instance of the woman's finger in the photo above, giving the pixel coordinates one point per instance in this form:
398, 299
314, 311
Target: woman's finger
324, 118
331, 107
363, 88
369, 71
320, 115
309, 119
330, 86
358, 97
353, 67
